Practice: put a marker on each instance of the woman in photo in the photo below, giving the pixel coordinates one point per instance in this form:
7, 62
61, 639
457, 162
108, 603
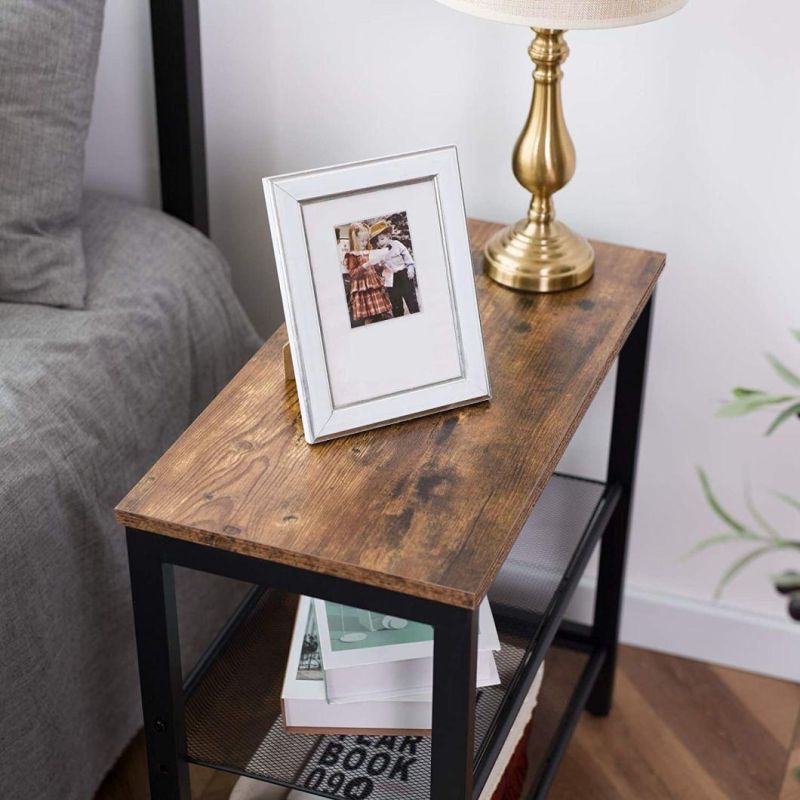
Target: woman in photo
368, 298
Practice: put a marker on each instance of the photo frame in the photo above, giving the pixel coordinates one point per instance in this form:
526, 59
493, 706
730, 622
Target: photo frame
378, 292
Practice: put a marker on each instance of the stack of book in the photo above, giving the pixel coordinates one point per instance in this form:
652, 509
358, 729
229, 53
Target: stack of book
369, 740
396, 766
357, 672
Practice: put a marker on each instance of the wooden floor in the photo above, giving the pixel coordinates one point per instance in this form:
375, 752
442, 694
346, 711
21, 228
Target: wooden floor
684, 730
680, 730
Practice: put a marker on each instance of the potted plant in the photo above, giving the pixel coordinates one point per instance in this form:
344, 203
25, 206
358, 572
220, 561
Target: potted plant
763, 536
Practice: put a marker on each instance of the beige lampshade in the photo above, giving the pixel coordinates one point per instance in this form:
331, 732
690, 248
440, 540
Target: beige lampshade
568, 14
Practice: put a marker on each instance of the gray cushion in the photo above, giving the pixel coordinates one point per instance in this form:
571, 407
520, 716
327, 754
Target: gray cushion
88, 401
48, 60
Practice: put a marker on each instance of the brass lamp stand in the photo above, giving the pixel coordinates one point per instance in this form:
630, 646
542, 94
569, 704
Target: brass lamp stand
539, 254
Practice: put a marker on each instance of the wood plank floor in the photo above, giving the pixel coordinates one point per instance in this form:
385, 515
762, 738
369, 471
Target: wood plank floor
680, 730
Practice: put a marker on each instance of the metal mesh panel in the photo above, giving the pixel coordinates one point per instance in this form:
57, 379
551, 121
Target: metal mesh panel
490, 699
234, 714
536, 564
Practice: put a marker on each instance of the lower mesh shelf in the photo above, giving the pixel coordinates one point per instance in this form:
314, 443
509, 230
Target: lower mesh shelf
234, 713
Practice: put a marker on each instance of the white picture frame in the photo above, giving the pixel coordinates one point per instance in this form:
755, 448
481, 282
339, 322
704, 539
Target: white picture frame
353, 374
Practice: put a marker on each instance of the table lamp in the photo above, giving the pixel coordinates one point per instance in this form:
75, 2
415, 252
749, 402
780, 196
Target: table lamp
540, 254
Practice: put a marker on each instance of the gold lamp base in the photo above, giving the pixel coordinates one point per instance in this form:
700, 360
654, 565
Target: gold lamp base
539, 258
540, 254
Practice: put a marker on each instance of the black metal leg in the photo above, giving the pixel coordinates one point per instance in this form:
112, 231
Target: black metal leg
155, 617
628, 403
454, 672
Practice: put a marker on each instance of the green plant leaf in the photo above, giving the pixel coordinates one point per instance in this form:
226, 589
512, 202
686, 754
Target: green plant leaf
787, 413
789, 500
787, 582
796, 334
710, 542
752, 401
797, 769
711, 499
790, 377
740, 391
738, 566
786, 544
758, 516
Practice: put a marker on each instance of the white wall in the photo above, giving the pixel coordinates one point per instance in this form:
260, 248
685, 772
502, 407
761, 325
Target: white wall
687, 139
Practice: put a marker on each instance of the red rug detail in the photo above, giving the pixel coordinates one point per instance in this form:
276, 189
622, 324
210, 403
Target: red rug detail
513, 781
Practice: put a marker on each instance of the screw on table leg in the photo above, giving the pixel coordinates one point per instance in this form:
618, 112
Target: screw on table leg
155, 617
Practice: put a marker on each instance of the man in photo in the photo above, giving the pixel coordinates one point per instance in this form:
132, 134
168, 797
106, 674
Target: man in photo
399, 269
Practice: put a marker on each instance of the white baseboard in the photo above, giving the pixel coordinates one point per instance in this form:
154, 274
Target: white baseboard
702, 630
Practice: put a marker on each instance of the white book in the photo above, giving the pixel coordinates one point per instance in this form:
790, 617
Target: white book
367, 655
305, 705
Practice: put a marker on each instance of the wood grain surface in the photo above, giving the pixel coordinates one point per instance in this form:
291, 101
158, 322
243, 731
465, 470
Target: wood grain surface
429, 507
683, 730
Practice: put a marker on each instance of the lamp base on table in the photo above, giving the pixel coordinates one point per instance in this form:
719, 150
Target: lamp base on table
535, 257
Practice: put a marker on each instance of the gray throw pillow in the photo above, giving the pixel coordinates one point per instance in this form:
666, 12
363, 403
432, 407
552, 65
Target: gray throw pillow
48, 60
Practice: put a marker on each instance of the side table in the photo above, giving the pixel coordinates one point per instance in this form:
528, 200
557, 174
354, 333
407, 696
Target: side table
414, 520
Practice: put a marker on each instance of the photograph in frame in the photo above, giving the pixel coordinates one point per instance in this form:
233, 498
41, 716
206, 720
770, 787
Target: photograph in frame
378, 291
378, 269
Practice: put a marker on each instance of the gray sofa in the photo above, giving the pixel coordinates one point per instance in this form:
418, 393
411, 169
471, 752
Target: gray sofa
89, 399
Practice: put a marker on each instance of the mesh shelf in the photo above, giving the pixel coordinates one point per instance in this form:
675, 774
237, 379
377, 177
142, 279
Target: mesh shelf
536, 565
234, 713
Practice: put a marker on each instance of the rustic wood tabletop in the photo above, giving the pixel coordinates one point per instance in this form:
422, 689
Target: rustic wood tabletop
429, 507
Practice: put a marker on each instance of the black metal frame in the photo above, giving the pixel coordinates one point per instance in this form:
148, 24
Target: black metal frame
546, 631
152, 559
175, 31
456, 774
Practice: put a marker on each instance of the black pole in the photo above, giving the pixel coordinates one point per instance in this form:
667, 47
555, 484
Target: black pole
156, 620
454, 671
628, 404
175, 26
